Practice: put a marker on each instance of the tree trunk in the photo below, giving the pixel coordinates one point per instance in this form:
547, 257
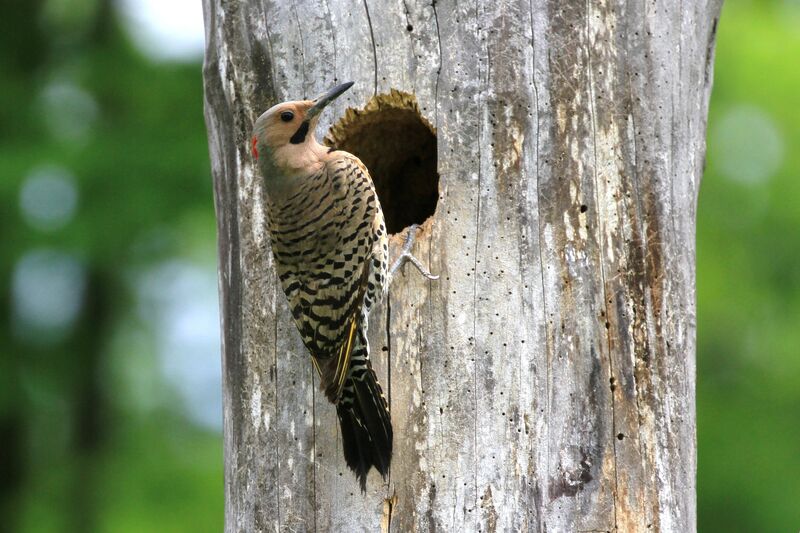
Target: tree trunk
547, 381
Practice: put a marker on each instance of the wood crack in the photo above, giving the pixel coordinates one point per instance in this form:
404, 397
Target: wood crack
314, 446
329, 18
302, 51
439, 69
276, 291
271, 53
601, 246
475, 287
638, 215
389, 370
374, 49
548, 346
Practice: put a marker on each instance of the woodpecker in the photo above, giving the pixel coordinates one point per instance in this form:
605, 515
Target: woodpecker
331, 253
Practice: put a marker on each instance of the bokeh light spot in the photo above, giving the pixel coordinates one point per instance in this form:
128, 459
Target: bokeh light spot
746, 145
171, 31
68, 112
48, 290
179, 301
790, 15
48, 198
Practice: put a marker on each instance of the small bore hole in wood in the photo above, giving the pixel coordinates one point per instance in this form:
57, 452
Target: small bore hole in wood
398, 146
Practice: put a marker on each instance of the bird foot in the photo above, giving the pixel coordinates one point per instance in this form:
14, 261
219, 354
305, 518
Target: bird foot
405, 255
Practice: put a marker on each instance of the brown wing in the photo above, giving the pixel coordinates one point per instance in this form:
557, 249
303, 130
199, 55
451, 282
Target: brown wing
333, 370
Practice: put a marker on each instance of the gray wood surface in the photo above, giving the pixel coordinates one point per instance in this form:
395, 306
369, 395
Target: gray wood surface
547, 381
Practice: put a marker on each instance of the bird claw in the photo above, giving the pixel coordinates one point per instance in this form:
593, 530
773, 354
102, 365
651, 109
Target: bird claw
405, 255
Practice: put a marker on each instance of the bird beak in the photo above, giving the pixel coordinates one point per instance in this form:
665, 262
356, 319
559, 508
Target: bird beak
322, 101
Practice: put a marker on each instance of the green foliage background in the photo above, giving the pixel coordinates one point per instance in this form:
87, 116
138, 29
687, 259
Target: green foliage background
90, 438
748, 278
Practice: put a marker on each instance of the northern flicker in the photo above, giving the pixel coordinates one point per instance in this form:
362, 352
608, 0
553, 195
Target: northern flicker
331, 253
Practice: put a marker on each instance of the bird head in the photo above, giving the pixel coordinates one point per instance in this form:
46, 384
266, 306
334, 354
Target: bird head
283, 134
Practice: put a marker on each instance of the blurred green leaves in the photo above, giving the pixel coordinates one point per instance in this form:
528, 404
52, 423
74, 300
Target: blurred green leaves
105, 177
748, 276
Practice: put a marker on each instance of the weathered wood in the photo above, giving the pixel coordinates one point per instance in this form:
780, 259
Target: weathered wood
546, 382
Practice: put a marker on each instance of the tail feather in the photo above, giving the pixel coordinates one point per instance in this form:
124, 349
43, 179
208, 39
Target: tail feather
366, 425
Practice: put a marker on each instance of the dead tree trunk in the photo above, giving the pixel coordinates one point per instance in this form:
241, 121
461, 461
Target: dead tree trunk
547, 381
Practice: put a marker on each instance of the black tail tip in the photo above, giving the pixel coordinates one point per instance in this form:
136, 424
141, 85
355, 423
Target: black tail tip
361, 474
366, 425
365, 445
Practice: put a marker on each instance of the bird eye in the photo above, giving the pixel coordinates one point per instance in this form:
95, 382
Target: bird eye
287, 116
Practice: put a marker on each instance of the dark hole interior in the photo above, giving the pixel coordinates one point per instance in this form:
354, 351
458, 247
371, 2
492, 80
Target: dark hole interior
399, 148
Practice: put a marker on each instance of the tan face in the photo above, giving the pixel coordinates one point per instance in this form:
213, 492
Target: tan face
280, 125
290, 124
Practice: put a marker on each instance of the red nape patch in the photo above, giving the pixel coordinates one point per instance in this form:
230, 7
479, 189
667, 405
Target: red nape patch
255, 147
